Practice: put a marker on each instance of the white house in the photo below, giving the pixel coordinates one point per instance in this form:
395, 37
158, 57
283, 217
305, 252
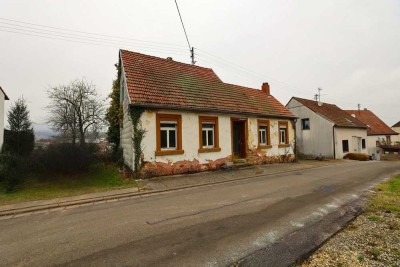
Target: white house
396, 128
378, 132
193, 121
325, 130
3, 97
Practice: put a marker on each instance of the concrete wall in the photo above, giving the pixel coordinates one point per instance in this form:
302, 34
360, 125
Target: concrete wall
318, 140
2, 99
126, 131
349, 134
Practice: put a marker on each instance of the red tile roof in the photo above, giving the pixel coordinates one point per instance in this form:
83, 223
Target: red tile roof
333, 113
375, 125
164, 83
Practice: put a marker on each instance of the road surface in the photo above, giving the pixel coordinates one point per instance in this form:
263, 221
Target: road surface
207, 226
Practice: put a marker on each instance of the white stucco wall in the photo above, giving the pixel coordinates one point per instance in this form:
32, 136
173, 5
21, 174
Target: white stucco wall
318, 140
126, 131
275, 150
190, 137
2, 99
348, 134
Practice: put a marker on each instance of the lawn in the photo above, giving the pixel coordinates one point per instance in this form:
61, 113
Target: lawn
100, 177
372, 239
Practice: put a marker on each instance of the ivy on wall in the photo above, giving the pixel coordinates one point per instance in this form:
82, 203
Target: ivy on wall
138, 135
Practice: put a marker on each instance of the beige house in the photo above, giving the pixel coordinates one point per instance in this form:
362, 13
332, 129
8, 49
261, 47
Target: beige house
396, 128
195, 122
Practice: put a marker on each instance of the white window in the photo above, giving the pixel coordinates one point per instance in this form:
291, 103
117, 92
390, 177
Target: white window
168, 134
263, 134
208, 134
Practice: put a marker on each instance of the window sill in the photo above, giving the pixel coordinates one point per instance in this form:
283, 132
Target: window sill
283, 145
169, 152
264, 146
206, 150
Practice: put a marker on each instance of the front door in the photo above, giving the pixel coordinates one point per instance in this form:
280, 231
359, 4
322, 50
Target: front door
239, 138
356, 144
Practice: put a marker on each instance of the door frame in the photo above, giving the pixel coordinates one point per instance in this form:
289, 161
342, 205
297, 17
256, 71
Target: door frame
245, 121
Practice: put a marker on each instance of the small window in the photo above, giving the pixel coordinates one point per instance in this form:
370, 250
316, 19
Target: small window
363, 144
169, 135
208, 134
345, 145
305, 124
283, 133
263, 133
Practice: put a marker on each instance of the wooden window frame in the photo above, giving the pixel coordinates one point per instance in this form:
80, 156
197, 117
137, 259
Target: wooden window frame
169, 117
264, 123
214, 120
283, 123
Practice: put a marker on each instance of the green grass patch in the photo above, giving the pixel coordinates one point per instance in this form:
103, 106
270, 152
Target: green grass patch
373, 218
387, 197
100, 177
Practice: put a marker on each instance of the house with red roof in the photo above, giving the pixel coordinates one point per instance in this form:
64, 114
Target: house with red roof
379, 133
325, 130
193, 121
3, 98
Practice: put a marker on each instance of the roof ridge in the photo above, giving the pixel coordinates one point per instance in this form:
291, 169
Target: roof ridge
168, 60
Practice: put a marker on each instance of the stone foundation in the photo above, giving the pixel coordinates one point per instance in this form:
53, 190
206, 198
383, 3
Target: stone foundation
259, 156
154, 169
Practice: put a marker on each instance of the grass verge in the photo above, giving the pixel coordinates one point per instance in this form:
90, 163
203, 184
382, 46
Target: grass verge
100, 177
372, 239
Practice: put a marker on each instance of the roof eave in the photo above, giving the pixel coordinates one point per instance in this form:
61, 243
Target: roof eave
212, 110
5, 95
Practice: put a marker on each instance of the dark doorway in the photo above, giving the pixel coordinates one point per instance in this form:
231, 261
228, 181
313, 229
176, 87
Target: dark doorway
239, 138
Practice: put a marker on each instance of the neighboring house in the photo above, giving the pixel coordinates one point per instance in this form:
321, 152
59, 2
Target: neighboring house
325, 130
378, 132
396, 128
194, 122
3, 97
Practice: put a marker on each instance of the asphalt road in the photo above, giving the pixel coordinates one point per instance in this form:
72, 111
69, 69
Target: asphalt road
208, 226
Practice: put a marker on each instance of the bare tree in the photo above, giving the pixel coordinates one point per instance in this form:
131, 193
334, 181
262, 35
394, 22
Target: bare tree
76, 109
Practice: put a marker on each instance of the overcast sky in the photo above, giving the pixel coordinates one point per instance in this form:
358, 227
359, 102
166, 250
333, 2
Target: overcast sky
351, 49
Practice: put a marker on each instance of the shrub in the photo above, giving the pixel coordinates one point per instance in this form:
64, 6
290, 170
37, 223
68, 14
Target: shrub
64, 159
12, 171
357, 156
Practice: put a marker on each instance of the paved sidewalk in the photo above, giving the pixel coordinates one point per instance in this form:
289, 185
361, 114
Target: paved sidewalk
176, 181
166, 183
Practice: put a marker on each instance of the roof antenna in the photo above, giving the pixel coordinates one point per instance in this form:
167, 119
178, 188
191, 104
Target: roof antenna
191, 48
319, 94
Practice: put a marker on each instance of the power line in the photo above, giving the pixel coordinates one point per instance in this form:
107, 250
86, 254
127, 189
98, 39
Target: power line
88, 33
191, 49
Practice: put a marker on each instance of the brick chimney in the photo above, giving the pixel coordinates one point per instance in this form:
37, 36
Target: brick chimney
265, 88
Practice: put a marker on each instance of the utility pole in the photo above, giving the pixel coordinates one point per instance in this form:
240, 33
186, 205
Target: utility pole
192, 55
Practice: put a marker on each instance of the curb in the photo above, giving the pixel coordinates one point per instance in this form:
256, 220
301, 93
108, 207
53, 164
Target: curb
119, 196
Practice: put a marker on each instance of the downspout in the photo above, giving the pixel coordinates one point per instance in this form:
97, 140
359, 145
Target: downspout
295, 140
334, 142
